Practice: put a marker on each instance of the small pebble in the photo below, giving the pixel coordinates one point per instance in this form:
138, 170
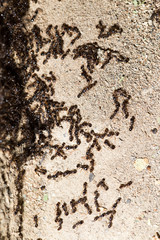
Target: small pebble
45, 197
43, 187
158, 120
154, 130
149, 168
140, 164
128, 200
157, 182
91, 177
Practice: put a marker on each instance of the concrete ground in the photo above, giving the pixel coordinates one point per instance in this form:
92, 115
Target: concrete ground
119, 199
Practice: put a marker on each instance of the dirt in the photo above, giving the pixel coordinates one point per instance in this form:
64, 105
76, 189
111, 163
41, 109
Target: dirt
80, 160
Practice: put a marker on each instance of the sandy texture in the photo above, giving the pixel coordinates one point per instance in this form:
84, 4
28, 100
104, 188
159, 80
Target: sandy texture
136, 156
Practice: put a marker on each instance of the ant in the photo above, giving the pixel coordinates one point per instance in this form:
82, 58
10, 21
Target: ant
78, 223
102, 184
36, 220
132, 121
125, 185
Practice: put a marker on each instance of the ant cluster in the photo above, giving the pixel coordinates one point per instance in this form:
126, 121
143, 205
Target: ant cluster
90, 52
16, 77
112, 30
76, 130
56, 41
29, 116
83, 201
91, 137
64, 174
123, 93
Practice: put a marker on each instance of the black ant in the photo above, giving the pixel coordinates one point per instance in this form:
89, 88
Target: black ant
40, 170
104, 214
125, 185
87, 88
36, 220
116, 203
78, 223
132, 121
112, 146
96, 193
92, 163
85, 188
158, 235
83, 166
86, 205
102, 184
58, 214
64, 206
